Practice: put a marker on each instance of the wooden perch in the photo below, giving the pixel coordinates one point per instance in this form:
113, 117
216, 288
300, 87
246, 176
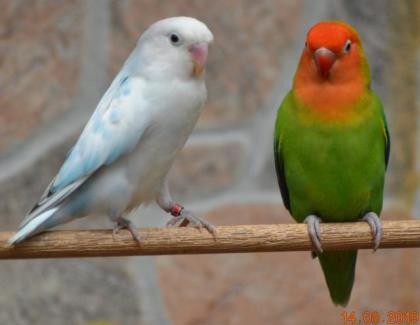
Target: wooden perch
229, 239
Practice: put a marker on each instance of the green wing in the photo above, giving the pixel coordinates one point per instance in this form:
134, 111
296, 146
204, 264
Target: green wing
387, 139
281, 179
278, 157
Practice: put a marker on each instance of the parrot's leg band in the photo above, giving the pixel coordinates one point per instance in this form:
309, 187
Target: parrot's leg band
122, 223
181, 216
314, 231
176, 210
376, 227
187, 217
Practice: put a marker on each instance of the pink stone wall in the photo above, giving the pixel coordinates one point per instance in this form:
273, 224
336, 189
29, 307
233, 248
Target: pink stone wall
54, 56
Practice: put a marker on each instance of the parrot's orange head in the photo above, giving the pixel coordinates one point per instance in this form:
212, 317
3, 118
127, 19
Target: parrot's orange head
334, 48
333, 69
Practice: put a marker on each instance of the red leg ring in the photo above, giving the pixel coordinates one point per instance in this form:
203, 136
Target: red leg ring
176, 210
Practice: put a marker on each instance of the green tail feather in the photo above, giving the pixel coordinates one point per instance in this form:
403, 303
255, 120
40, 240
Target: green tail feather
339, 270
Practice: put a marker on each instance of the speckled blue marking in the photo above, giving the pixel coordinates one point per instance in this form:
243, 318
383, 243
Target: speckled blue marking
126, 90
115, 115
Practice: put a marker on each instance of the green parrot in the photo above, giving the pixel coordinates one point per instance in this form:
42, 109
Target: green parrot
331, 146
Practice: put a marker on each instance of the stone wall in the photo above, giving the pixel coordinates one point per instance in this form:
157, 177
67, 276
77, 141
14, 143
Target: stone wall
57, 58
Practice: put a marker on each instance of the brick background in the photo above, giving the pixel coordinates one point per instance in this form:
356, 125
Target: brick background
225, 172
40, 53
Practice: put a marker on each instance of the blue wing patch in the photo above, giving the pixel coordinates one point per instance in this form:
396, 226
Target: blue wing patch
103, 140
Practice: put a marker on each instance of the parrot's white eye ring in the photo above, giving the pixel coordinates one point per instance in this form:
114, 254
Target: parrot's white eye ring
347, 47
175, 39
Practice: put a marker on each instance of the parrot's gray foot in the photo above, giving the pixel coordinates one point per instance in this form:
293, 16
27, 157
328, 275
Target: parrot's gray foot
376, 227
314, 231
122, 223
186, 217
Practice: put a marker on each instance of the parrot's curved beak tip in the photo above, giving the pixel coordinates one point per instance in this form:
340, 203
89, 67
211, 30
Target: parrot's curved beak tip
324, 59
199, 53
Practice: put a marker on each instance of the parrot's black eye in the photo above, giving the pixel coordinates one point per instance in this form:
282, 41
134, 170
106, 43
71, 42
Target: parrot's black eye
175, 39
347, 47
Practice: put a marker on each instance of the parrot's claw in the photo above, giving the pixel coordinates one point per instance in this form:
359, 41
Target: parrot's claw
314, 231
186, 217
122, 223
376, 227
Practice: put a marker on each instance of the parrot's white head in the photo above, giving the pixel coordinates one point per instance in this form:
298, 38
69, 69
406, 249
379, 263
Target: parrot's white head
175, 47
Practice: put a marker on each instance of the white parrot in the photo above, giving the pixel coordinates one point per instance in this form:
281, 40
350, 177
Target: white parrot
124, 153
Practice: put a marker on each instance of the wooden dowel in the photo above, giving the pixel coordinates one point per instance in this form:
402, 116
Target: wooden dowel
229, 239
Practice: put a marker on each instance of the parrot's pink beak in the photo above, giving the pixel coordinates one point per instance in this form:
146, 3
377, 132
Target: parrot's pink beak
324, 59
199, 52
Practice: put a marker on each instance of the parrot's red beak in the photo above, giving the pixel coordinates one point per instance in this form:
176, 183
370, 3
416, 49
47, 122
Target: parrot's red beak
199, 54
324, 59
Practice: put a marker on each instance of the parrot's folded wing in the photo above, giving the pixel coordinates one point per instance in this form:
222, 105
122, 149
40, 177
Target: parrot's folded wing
113, 130
281, 178
386, 136
387, 139
278, 157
